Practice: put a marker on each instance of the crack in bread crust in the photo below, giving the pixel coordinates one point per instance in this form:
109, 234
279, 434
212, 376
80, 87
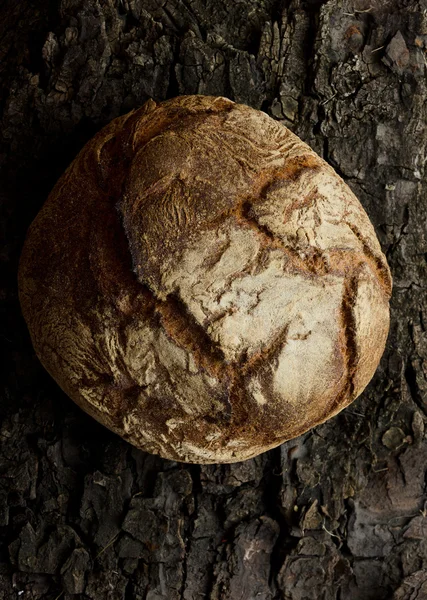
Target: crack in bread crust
376, 263
183, 329
349, 327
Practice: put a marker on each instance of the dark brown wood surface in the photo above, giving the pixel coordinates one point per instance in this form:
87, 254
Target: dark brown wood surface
337, 514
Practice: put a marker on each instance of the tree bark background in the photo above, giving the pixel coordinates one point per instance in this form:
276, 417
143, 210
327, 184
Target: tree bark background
339, 513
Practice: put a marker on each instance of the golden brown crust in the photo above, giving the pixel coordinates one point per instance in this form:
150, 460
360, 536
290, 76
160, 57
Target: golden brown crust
202, 283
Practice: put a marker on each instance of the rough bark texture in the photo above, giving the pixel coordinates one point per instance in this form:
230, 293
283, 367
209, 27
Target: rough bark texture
339, 513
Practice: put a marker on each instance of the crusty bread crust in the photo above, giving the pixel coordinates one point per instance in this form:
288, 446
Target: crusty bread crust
202, 283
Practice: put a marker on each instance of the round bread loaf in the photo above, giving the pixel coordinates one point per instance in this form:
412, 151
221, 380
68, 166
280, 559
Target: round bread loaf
203, 284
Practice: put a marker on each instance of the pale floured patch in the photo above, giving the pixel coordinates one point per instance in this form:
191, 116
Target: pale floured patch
196, 393
130, 422
172, 424
267, 304
95, 397
138, 354
205, 269
309, 367
170, 355
309, 212
371, 315
219, 453
203, 454
255, 390
144, 435
148, 358
214, 435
